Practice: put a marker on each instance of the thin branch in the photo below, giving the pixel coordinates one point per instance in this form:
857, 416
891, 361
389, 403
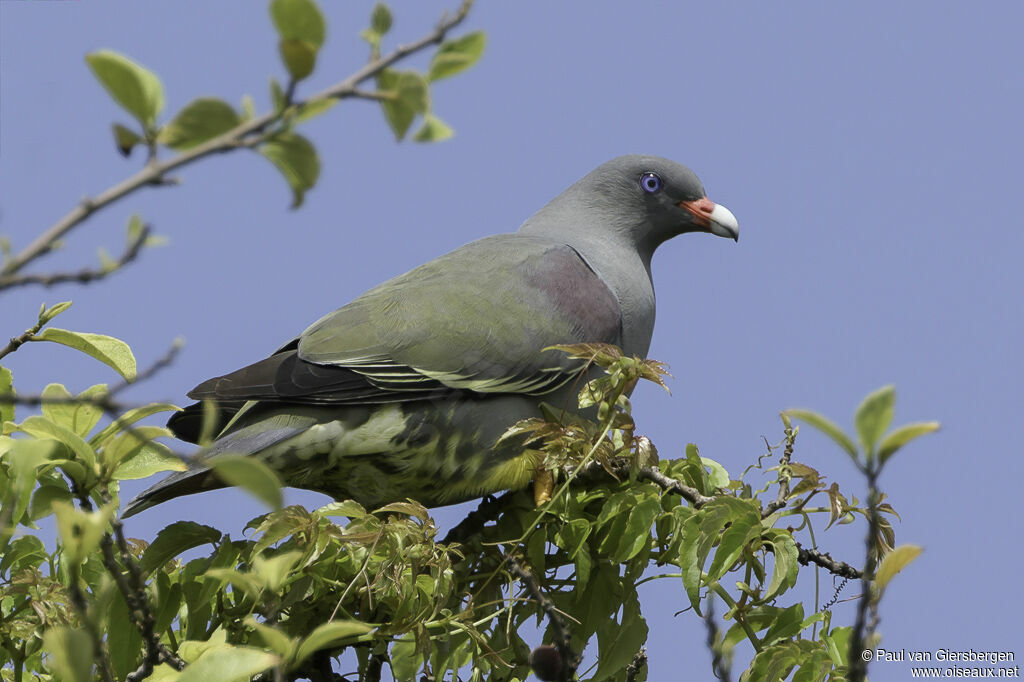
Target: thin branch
621, 469
373, 95
570, 659
489, 509
719, 665
18, 341
867, 607
783, 497
637, 665
83, 276
691, 495
813, 556
155, 172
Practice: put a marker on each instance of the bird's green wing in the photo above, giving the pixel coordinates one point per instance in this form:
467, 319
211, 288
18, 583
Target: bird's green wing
478, 318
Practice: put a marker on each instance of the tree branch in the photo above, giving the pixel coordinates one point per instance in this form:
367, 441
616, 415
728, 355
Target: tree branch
154, 173
84, 276
783, 497
637, 665
813, 556
563, 642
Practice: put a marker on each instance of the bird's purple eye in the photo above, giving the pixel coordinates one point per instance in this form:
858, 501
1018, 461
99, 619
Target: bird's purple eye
650, 182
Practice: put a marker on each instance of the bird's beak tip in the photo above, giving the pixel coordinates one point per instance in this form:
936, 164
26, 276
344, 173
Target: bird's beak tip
724, 223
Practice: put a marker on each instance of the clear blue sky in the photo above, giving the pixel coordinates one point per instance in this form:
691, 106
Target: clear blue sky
871, 152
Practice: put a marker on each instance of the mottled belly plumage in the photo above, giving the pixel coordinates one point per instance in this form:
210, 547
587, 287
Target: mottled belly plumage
396, 451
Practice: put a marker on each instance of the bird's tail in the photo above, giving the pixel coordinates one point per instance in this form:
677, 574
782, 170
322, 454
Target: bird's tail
195, 480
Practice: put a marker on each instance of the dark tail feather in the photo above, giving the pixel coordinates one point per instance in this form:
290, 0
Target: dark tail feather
188, 482
188, 424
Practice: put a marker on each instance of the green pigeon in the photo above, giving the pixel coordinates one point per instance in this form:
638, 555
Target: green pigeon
405, 391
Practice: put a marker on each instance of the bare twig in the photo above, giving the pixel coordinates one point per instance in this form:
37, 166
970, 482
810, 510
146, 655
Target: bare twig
154, 173
83, 276
489, 509
18, 341
783, 497
570, 659
813, 556
620, 469
719, 665
671, 485
637, 665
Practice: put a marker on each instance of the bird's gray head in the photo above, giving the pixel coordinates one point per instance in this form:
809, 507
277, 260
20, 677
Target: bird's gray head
644, 199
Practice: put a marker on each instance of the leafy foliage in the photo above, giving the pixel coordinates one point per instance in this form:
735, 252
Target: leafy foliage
307, 585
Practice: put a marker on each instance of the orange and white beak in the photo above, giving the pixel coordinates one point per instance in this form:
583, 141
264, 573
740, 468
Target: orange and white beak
715, 218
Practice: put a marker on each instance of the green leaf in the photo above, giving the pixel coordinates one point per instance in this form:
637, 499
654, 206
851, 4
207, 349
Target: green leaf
127, 419
251, 475
175, 539
106, 349
380, 19
78, 417
135, 88
6, 388
24, 457
43, 499
433, 130
248, 108
201, 120
719, 477
298, 20
299, 57
313, 108
123, 639
828, 427
70, 654
618, 643
329, 635
414, 509
274, 570
47, 314
43, 428
277, 96
81, 531
894, 562
28, 551
411, 97
571, 536
456, 55
126, 139
349, 508
406, 661
638, 529
149, 459
745, 525
900, 437
814, 668
132, 442
873, 417
283, 645
786, 554
787, 624
226, 663
297, 160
